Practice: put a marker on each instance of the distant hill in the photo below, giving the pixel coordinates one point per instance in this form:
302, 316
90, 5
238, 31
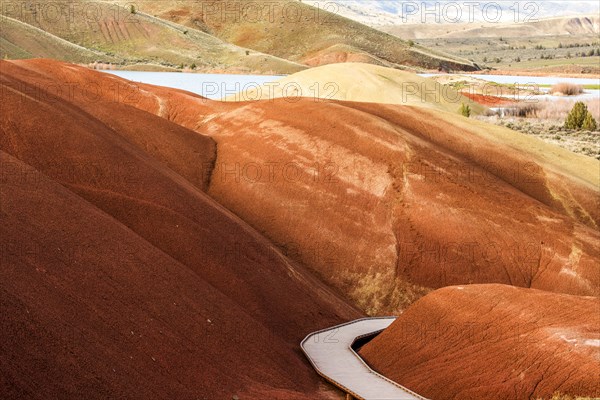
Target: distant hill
179, 34
578, 26
398, 12
116, 35
176, 34
299, 32
20, 40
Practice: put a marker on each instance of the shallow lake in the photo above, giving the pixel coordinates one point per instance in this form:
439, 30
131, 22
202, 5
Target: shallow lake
216, 86
213, 86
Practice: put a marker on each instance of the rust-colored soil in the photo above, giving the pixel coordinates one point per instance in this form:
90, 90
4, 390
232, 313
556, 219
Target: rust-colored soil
118, 254
120, 277
488, 101
493, 342
378, 198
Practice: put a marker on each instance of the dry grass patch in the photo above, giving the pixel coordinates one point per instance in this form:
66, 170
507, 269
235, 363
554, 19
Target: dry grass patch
550, 110
567, 89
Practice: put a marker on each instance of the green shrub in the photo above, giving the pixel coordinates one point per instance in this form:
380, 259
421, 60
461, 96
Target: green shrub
465, 110
132, 9
589, 123
576, 116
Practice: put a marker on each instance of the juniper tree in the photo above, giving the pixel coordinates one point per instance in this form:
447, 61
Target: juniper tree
589, 123
576, 116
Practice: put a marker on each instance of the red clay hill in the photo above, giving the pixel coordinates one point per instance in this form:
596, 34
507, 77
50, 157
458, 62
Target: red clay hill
155, 244
384, 202
121, 278
493, 342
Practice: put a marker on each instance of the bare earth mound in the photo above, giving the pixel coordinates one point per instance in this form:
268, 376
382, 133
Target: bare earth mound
364, 83
386, 201
493, 342
120, 277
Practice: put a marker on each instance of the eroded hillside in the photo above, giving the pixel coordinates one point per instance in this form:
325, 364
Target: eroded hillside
379, 198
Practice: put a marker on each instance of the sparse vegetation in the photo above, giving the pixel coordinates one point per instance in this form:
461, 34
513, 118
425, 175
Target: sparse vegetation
132, 9
581, 142
523, 110
589, 123
556, 59
577, 116
558, 110
545, 120
465, 110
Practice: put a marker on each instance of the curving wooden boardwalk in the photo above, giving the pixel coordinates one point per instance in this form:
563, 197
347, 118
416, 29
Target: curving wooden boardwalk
330, 353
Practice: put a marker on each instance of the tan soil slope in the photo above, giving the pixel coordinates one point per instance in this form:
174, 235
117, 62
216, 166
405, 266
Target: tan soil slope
376, 198
20, 40
298, 32
493, 342
115, 34
121, 278
364, 83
